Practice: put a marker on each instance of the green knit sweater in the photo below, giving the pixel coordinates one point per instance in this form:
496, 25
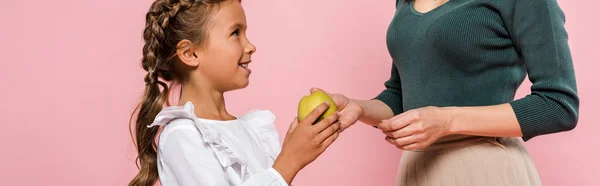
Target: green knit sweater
478, 52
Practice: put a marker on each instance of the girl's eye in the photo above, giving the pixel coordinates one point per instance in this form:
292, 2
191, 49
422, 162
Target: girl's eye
236, 32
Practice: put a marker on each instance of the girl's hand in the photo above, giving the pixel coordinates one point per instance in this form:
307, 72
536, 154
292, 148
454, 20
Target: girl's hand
304, 142
416, 129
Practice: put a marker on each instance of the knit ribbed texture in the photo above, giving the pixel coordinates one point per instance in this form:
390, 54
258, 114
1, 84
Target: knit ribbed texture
478, 52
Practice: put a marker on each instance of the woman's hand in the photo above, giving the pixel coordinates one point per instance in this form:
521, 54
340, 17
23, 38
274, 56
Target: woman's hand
350, 111
418, 128
304, 142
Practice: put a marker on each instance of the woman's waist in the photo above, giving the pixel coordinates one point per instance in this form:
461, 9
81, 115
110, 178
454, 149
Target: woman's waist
458, 141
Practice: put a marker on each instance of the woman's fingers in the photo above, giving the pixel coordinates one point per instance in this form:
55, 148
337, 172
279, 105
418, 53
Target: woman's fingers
412, 129
398, 122
405, 141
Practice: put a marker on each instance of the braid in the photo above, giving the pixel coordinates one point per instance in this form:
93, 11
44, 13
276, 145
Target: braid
157, 20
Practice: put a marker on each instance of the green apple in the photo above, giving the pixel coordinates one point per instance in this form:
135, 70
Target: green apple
309, 103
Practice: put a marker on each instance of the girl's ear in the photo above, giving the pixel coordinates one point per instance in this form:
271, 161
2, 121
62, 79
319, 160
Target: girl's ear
187, 54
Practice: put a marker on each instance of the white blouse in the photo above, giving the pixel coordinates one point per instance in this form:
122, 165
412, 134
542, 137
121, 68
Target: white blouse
199, 152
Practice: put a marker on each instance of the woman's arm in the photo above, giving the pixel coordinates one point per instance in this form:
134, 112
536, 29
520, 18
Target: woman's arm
496, 121
374, 111
387, 104
538, 32
419, 128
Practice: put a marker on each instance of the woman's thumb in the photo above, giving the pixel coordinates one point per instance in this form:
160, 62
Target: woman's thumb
312, 90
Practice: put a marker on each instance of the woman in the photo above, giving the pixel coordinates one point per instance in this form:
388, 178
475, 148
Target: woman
449, 102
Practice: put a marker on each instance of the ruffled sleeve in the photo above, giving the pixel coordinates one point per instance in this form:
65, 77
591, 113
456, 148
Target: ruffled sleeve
263, 122
212, 138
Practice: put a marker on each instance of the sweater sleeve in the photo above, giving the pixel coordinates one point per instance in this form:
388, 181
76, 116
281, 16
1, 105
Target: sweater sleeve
538, 32
392, 95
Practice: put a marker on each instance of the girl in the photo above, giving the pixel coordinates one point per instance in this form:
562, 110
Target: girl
202, 45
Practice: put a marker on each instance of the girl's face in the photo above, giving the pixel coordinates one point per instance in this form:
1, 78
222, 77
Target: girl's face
225, 58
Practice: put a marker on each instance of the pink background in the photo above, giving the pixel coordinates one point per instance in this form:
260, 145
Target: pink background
70, 77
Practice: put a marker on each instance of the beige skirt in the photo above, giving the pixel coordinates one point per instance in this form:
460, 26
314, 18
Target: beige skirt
469, 161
